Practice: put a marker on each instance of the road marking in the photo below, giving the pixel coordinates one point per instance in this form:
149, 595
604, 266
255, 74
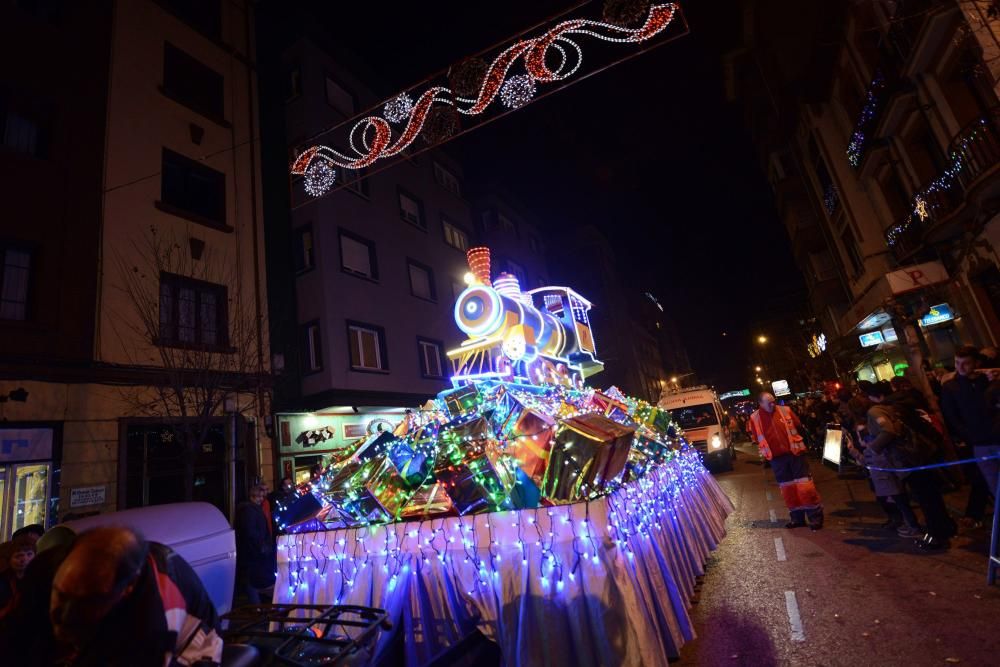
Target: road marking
774, 517
794, 620
768, 495
779, 547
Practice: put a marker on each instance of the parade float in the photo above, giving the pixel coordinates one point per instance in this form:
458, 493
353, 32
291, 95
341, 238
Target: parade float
566, 523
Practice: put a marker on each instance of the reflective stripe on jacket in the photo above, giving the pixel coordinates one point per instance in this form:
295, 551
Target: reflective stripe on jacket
783, 414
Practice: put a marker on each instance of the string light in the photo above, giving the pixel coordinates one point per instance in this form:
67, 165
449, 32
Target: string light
319, 178
517, 91
856, 147
372, 139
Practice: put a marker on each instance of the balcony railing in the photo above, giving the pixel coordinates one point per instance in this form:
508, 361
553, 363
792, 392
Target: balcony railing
905, 26
974, 152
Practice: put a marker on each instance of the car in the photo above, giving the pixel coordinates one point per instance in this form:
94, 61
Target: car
699, 413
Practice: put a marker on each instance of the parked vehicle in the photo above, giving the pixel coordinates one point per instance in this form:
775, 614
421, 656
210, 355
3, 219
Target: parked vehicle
700, 414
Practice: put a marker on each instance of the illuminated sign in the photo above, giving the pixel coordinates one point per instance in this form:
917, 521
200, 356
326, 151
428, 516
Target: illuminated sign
939, 313
871, 338
832, 445
890, 335
817, 345
781, 388
739, 393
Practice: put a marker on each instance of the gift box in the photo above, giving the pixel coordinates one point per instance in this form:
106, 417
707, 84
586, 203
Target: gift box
655, 418
610, 406
531, 442
374, 446
460, 401
525, 494
476, 473
508, 409
414, 459
296, 509
589, 451
430, 499
637, 465
370, 491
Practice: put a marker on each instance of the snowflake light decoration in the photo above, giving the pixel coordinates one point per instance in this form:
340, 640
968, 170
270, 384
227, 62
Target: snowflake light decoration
319, 178
517, 91
398, 108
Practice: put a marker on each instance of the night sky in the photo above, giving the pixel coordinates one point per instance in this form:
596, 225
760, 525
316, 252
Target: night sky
648, 151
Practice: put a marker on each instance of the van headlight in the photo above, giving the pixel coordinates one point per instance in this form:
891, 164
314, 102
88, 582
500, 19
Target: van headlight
716, 441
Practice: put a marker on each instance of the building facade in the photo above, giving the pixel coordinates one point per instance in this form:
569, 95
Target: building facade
133, 296
375, 267
876, 122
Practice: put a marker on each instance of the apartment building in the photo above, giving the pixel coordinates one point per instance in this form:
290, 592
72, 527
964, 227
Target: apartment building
364, 278
876, 122
515, 241
132, 326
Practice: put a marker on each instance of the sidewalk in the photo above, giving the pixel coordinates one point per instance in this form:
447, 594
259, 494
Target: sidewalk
851, 594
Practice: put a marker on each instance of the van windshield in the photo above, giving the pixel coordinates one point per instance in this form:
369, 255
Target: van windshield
695, 416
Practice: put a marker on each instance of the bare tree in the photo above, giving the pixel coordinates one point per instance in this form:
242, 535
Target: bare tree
192, 355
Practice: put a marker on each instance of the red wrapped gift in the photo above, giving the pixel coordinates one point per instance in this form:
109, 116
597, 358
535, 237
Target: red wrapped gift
530, 443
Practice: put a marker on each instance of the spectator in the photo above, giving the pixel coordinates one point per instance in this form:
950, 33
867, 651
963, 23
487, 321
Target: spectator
108, 597
254, 547
22, 550
32, 531
968, 415
890, 439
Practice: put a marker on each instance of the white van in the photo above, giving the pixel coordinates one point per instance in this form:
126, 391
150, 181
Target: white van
700, 414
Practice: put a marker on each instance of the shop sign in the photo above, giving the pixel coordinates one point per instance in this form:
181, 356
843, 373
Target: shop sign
780, 388
817, 345
25, 444
85, 496
910, 278
310, 432
889, 334
871, 339
739, 393
939, 313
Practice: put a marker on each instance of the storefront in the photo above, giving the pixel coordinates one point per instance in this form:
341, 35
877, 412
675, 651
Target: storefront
313, 438
30, 455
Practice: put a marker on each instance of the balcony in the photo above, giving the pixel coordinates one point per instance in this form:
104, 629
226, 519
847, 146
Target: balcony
938, 210
905, 32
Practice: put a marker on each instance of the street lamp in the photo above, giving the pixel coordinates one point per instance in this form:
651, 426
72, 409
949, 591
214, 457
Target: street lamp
757, 368
674, 379
762, 339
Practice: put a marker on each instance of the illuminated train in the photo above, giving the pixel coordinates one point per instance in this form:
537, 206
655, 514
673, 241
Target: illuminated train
538, 337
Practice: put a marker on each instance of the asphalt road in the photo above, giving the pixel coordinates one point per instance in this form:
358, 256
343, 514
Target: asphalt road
850, 594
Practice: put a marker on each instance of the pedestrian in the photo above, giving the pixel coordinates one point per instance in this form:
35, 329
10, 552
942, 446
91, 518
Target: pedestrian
968, 416
109, 597
892, 442
277, 498
254, 547
775, 429
21, 551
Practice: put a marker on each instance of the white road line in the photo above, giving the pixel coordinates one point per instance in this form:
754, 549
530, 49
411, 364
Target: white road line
774, 517
779, 548
768, 495
794, 620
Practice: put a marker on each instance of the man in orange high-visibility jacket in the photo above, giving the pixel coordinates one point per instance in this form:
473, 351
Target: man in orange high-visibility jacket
775, 429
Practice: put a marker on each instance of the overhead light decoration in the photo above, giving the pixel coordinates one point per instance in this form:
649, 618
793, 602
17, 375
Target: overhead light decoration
548, 58
319, 178
517, 91
398, 108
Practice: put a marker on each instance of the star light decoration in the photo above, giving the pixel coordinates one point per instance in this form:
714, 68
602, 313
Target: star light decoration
372, 138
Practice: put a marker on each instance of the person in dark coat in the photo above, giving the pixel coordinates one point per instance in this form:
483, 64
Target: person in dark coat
254, 547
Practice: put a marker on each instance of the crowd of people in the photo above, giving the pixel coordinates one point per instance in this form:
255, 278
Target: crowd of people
905, 438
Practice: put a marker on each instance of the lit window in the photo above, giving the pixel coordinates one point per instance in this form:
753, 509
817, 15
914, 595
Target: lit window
455, 237
366, 350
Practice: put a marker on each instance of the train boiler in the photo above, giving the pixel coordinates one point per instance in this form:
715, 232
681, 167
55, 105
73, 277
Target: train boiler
538, 337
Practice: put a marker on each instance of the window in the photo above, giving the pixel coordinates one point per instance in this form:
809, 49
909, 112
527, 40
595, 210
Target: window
429, 352
191, 83
312, 348
192, 312
339, 97
191, 187
421, 280
205, 16
447, 179
411, 210
293, 83
454, 236
14, 282
353, 179
506, 224
304, 249
22, 132
367, 347
357, 255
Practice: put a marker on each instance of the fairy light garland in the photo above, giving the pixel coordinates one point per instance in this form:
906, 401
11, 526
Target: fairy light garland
856, 147
372, 138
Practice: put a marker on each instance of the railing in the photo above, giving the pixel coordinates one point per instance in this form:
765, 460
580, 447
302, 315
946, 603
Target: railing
905, 26
974, 152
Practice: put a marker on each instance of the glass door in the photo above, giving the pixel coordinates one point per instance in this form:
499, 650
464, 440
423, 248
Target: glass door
30, 485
